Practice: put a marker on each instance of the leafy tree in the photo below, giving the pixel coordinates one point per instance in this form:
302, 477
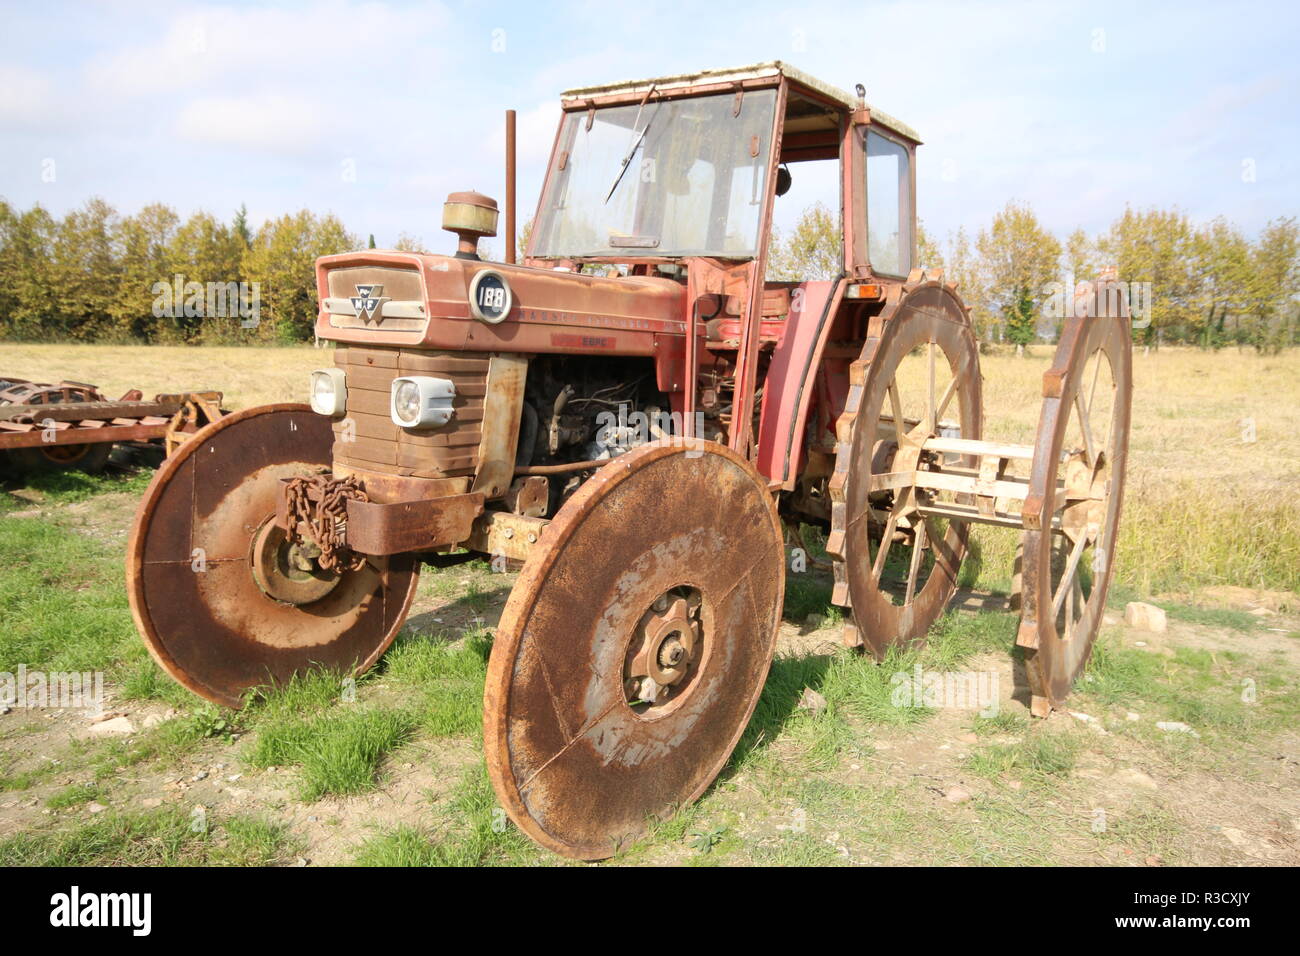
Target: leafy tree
521, 244
283, 261
408, 243
812, 251
85, 266
1158, 246
1082, 257
1275, 279
1223, 265
929, 255
144, 243
240, 226
1017, 260
28, 274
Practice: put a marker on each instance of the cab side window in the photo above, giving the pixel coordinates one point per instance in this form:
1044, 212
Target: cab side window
889, 206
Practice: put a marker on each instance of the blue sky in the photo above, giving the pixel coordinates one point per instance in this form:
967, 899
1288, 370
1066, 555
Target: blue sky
375, 111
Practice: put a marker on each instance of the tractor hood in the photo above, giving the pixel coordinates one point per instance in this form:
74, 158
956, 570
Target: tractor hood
423, 301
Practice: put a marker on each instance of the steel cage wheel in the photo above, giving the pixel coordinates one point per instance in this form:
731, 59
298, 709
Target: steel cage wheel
1075, 496
930, 321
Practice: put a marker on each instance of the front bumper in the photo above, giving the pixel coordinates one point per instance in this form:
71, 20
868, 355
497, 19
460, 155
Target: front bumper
396, 527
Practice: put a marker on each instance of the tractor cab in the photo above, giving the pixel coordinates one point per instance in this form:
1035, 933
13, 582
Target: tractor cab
651, 174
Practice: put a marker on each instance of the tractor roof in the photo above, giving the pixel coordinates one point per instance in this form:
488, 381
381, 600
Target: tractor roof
737, 74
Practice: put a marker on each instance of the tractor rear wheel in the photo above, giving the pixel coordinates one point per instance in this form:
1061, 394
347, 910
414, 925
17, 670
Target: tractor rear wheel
634, 646
918, 378
1076, 487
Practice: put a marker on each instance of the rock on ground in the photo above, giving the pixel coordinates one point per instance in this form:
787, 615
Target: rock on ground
1145, 617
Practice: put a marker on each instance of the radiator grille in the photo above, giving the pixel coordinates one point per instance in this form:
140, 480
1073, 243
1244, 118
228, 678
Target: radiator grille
380, 445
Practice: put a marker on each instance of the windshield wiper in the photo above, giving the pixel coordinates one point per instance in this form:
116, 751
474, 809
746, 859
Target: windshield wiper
636, 143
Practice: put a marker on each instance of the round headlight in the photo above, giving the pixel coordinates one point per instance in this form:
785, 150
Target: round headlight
406, 402
329, 394
422, 401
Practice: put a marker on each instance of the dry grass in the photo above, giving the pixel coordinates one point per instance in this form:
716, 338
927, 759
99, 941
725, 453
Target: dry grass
1203, 507
248, 375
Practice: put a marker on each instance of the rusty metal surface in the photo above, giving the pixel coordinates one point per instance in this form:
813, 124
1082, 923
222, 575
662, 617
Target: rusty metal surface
529, 495
572, 763
385, 487
62, 422
499, 428
20, 391
922, 311
509, 535
377, 528
511, 205
78, 411
77, 434
1053, 660
192, 592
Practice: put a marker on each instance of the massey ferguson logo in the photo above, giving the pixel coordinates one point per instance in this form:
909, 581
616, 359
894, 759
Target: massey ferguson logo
367, 300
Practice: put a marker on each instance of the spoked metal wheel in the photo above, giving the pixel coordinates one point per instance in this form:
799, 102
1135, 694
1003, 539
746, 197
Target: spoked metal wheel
633, 647
918, 379
223, 600
1072, 510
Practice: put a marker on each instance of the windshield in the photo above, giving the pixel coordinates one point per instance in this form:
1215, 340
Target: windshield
687, 179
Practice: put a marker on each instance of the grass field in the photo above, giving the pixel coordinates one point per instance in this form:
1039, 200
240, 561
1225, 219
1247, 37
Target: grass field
394, 773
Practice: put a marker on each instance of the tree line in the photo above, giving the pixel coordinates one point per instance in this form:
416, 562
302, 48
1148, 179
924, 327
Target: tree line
1208, 286
97, 276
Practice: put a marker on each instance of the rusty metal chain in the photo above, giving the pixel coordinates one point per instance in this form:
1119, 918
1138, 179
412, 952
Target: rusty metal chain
321, 503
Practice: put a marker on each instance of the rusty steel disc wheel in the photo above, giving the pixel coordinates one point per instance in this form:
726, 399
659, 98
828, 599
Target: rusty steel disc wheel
1073, 507
918, 377
224, 603
633, 647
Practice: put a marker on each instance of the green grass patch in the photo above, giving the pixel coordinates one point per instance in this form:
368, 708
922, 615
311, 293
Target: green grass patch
1222, 694
62, 487
338, 752
73, 795
165, 837
449, 676
475, 833
809, 593
168, 743
859, 691
1003, 722
1036, 758
1121, 594
62, 603
1169, 541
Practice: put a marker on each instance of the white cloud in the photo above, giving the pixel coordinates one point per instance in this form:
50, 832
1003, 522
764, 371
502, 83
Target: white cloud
315, 42
26, 97
263, 122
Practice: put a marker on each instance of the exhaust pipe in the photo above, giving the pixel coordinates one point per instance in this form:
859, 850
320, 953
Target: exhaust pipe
510, 187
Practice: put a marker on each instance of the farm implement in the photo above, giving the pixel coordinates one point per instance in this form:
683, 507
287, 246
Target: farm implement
634, 412
71, 425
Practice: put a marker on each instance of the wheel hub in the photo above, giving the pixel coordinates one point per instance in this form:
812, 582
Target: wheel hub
665, 647
285, 571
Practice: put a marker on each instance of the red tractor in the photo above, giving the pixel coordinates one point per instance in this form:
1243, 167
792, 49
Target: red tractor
633, 412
